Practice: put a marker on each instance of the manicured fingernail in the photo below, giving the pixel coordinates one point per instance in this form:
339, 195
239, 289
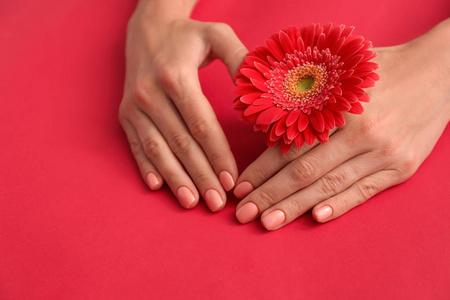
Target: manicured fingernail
247, 212
323, 213
273, 219
153, 181
226, 180
186, 197
243, 189
213, 199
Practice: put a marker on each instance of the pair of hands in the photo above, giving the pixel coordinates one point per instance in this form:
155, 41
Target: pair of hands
175, 136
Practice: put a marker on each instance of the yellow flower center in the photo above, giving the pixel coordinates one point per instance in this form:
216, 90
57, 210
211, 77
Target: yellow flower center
305, 84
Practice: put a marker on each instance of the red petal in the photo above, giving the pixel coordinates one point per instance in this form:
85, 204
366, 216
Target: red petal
374, 76
275, 49
299, 140
252, 60
262, 101
310, 136
338, 118
351, 46
253, 74
334, 35
351, 81
347, 30
292, 132
349, 96
357, 108
260, 85
364, 98
368, 82
262, 68
252, 109
340, 105
292, 117
316, 120
270, 115
328, 118
243, 89
286, 43
321, 42
281, 127
322, 137
284, 147
308, 35
300, 45
250, 98
303, 121
334, 48
353, 61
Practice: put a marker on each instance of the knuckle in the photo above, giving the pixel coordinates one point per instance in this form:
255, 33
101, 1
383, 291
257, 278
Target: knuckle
181, 144
341, 205
266, 198
332, 183
409, 165
169, 75
135, 146
200, 128
142, 90
151, 148
304, 170
367, 190
370, 131
296, 207
221, 28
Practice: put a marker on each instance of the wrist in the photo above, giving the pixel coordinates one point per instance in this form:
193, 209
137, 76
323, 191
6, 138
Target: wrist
163, 11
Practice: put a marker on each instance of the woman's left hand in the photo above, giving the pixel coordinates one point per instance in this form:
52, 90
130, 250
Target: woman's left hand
408, 111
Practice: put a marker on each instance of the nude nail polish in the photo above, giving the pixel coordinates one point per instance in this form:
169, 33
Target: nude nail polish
186, 197
247, 212
273, 219
213, 200
243, 189
323, 213
152, 181
226, 180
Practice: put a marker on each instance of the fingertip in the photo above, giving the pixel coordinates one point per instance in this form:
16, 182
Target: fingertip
214, 200
153, 181
186, 197
243, 189
226, 180
323, 213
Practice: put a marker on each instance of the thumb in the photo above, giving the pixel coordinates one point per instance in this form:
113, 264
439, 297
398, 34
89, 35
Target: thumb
226, 46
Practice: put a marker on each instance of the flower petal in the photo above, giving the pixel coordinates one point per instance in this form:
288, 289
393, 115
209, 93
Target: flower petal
328, 119
357, 108
270, 115
316, 120
299, 140
309, 134
253, 74
252, 109
338, 118
286, 43
292, 117
292, 132
250, 98
303, 121
275, 49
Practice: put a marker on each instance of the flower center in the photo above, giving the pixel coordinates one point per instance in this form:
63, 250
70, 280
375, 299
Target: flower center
305, 84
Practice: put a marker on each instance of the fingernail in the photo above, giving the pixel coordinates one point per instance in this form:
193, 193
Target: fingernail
186, 197
323, 213
213, 199
152, 181
247, 212
274, 219
243, 189
226, 180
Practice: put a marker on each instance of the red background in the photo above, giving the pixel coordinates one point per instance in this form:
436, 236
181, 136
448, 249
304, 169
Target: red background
77, 222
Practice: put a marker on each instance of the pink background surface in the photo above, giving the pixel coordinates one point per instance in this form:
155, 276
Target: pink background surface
77, 222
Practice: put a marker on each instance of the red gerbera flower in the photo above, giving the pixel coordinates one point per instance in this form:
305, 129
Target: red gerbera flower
296, 88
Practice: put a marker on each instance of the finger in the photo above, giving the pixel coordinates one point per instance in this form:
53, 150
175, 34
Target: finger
226, 46
356, 195
159, 153
296, 175
329, 185
199, 116
169, 123
260, 170
148, 171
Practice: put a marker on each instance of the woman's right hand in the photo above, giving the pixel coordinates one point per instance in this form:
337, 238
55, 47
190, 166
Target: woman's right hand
171, 127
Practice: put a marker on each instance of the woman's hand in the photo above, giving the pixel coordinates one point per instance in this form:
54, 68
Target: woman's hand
171, 127
408, 111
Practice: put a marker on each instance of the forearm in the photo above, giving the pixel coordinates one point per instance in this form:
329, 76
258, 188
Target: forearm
165, 10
